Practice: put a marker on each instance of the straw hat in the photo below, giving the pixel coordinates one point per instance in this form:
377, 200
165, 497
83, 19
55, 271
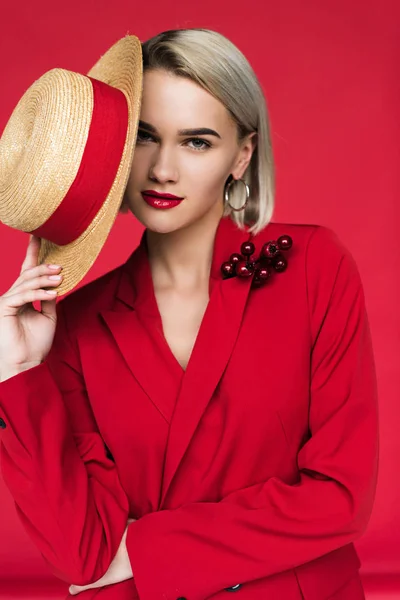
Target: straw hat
66, 154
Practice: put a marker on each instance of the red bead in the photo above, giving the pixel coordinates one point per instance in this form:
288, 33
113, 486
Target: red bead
269, 250
263, 273
247, 248
285, 242
227, 269
235, 258
244, 269
280, 264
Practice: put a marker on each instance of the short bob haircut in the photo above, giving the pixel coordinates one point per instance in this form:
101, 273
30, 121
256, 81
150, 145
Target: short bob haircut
218, 66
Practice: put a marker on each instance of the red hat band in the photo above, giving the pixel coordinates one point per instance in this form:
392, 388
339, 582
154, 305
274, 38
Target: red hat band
98, 168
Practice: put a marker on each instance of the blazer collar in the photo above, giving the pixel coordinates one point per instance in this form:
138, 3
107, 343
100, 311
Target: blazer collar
180, 396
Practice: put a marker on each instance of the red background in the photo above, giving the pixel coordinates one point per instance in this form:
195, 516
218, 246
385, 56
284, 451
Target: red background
330, 72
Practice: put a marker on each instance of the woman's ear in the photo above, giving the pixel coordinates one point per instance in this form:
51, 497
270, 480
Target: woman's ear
247, 148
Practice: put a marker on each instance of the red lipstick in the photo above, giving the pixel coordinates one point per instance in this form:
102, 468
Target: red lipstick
158, 200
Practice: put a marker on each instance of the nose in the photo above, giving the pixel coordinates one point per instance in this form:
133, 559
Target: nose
163, 168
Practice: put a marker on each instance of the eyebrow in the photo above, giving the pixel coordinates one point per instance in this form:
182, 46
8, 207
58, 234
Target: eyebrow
197, 131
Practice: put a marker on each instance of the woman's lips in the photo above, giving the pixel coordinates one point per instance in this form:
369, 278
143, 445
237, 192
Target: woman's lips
158, 201
161, 195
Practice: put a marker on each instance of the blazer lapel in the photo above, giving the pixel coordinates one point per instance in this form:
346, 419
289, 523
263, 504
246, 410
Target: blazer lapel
213, 347
138, 349
133, 323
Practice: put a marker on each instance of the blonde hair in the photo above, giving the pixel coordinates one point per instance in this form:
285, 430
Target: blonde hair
218, 66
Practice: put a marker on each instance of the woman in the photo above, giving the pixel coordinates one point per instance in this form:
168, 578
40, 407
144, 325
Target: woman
194, 432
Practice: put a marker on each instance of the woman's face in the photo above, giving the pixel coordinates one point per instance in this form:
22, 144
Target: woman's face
189, 164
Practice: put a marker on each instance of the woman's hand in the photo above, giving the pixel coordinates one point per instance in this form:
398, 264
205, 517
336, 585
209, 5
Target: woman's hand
26, 334
119, 569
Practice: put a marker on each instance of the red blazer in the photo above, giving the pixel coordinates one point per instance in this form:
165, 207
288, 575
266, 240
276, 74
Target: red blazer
253, 471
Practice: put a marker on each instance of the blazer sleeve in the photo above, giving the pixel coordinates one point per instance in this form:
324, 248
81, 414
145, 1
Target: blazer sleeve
54, 462
202, 548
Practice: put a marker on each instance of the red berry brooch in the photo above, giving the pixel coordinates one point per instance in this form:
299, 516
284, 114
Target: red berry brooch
243, 265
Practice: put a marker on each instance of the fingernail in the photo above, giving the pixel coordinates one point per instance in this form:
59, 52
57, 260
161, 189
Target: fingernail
54, 266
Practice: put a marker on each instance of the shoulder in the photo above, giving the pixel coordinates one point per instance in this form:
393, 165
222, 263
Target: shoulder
303, 234
320, 246
324, 273
320, 259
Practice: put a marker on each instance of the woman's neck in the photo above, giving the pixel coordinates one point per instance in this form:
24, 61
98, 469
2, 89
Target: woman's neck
182, 259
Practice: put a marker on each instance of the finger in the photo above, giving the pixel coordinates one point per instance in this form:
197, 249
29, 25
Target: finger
28, 281
33, 276
75, 589
16, 301
32, 253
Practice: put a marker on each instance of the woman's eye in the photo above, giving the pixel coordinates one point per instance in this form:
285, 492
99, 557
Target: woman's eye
143, 136
202, 144
197, 143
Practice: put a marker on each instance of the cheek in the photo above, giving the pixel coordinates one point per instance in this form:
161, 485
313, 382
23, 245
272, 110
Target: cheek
140, 165
199, 176
204, 175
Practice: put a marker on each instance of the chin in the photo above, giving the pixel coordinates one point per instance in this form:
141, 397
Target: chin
174, 219
158, 227
162, 221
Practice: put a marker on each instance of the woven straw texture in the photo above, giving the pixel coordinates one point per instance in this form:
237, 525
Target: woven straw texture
42, 146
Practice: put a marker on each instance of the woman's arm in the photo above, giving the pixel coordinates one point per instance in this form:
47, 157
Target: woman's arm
53, 460
203, 547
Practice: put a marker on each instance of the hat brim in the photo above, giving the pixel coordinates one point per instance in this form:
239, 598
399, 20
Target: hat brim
121, 67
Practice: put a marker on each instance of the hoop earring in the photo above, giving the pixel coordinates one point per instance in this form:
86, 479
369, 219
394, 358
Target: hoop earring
227, 194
